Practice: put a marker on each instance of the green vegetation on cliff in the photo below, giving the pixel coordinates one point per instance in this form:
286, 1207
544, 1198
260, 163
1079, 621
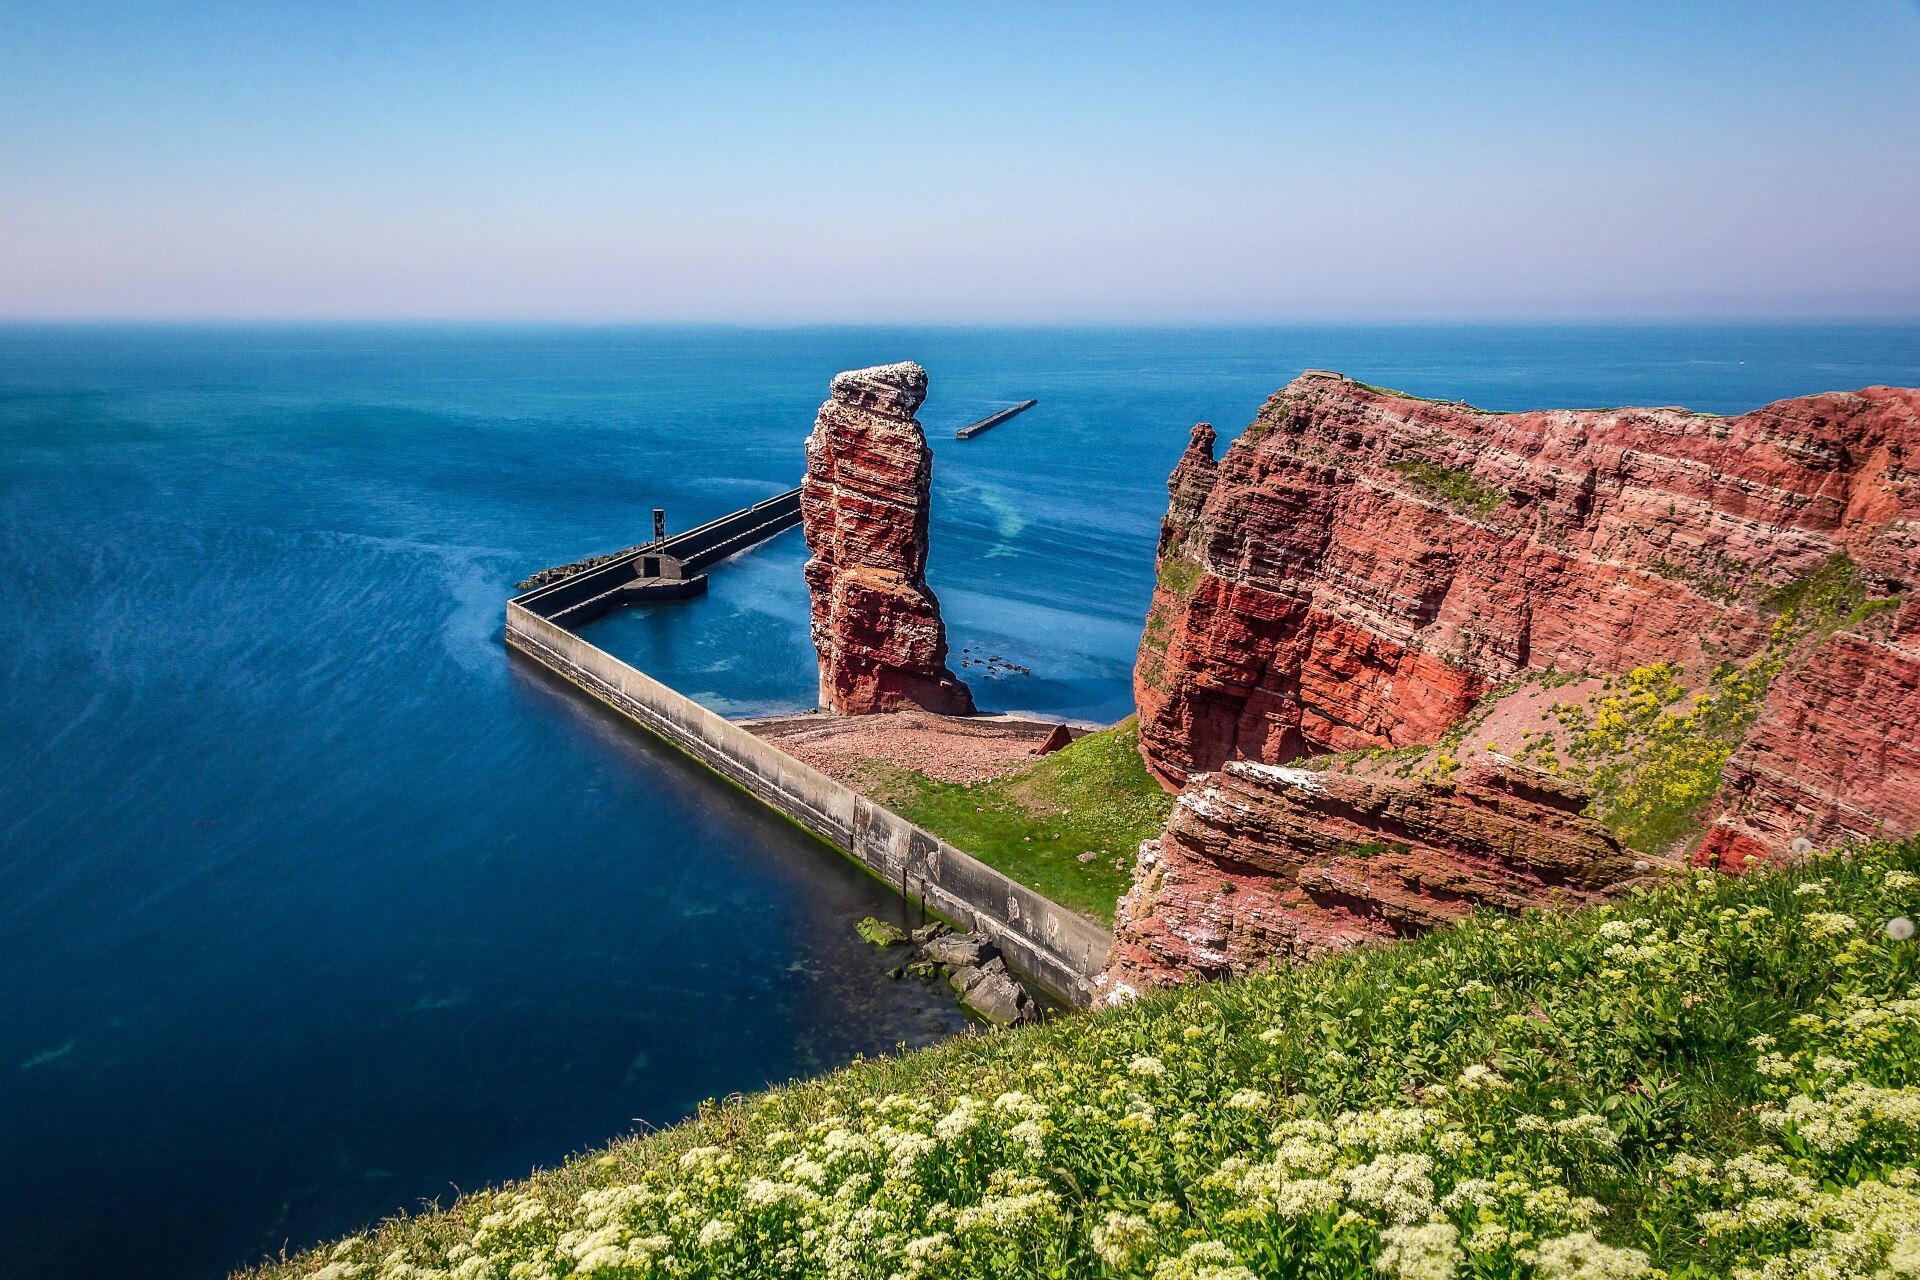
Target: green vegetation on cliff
1720, 1077
1652, 751
1038, 824
1454, 486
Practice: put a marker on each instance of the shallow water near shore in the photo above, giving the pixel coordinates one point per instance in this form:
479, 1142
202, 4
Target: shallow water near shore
314, 904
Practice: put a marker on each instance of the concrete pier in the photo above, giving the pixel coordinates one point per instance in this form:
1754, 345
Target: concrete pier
665, 569
992, 420
1058, 949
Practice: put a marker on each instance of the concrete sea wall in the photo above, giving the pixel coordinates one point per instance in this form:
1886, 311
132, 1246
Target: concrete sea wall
1059, 949
591, 588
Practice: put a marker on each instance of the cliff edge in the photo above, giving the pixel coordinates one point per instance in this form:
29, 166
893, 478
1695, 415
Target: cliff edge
1632, 634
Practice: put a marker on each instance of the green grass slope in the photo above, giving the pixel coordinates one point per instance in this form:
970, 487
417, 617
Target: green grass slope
1718, 1078
1094, 796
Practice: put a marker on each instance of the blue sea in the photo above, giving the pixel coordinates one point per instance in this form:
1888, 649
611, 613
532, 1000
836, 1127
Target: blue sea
315, 905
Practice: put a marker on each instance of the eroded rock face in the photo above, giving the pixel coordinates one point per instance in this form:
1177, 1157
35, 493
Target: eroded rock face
1834, 753
864, 506
1362, 566
1321, 591
1266, 862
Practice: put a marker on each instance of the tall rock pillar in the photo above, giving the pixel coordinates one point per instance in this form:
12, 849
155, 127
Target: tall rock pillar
864, 506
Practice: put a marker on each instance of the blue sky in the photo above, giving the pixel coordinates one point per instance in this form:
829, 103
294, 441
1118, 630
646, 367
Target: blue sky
980, 162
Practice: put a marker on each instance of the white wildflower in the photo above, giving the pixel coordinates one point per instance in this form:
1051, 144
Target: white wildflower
1831, 924
960, 1121
1478, 1192
1247, 1100
1581, 1257
1589, 1128
1751, 1172
1208, 1260
1479, 1076
1016, 1202
1388, 1129
1147, 1066
923, 1253
705, 1159
1398, 1184
1487, 1237
764, 1193
1691, 1168
1423, 1251
1122, 1240
1304, 1146
1020, 1105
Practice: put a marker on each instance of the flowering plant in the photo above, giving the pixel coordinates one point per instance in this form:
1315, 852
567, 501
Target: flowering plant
1719, 1077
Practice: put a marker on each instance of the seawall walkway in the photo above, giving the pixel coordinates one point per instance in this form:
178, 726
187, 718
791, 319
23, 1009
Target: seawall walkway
1058, 948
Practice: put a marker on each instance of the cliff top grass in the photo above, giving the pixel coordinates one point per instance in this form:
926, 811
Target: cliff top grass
1716, 1077
1408, 395
1035, 824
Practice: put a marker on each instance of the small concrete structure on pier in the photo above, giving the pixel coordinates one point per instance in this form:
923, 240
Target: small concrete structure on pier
664, 569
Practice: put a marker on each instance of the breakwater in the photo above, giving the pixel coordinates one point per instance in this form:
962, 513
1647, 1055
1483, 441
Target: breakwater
1058, 948
665, 569
993, 420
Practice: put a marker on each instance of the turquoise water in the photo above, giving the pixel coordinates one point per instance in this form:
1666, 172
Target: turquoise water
314, 905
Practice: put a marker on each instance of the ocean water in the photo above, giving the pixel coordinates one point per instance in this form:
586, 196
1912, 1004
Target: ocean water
315, 905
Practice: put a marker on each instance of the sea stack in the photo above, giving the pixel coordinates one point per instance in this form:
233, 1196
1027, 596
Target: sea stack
864, 506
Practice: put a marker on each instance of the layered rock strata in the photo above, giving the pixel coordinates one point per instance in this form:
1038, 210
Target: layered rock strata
1362, 566
1267, 862
864, 506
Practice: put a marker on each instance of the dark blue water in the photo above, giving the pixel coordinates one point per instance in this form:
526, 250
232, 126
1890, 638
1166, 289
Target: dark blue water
313, 904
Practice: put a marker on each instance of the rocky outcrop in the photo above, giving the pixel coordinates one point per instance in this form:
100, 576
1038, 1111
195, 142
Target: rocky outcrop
864, 506
1834, 753
1362, 566
1266, 862
976, 971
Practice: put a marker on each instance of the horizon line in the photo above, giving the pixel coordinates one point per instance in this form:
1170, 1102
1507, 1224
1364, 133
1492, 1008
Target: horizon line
1598, 321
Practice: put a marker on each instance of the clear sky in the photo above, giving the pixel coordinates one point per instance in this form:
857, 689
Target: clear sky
1110, 161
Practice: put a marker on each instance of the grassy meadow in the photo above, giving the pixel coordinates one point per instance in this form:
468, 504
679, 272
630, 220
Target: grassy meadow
1038, 823
1716, 1078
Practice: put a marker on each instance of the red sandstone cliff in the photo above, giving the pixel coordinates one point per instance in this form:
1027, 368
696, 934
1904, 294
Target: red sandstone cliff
1361, 567
1265, 862
864, 506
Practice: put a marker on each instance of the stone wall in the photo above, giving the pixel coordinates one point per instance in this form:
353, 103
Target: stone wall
1057, 948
